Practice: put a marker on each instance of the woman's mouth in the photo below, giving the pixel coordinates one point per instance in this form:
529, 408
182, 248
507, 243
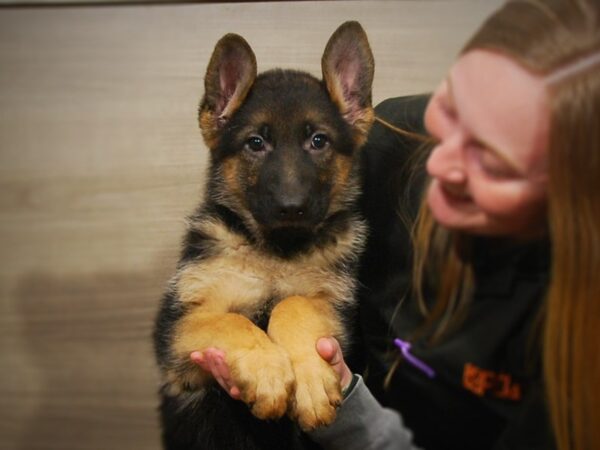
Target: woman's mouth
455, 195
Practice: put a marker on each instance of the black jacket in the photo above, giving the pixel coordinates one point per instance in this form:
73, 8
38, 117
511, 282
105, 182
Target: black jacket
487, 392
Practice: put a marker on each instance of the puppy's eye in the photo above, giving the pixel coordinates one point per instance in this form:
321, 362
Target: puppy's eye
319, 141
255, 143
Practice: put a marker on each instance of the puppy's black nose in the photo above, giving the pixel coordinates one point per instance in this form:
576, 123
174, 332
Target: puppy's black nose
291, 211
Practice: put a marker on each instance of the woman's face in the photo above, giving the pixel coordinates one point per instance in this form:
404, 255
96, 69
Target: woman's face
489, 168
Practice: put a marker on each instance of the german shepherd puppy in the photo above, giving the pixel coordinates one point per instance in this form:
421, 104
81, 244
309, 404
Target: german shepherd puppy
270, 255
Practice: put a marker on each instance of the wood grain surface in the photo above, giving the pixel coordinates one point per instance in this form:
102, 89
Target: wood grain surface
101, 160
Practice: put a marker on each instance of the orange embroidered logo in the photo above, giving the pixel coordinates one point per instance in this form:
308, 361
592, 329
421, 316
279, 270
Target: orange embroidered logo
485, 382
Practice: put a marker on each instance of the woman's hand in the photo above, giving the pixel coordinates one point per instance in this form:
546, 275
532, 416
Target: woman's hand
212, 360
329, 349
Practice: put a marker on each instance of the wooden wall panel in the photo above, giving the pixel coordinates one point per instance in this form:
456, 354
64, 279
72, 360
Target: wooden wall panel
101, 159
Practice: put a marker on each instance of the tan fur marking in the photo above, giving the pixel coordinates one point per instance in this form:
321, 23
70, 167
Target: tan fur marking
208, 126
200, 329
296, 324
241, 277
230, 174
362, 126
260, 368
343, 166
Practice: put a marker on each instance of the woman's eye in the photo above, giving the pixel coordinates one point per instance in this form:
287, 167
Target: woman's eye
255, 143
490, 163
319, 141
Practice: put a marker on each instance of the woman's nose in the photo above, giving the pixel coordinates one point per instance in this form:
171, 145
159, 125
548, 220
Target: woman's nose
446, 161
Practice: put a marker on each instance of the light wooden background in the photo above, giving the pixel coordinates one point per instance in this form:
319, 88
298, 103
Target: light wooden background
101, 159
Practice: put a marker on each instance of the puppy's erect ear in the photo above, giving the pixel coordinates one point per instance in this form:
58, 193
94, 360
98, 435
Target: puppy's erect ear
348, 68
229, 76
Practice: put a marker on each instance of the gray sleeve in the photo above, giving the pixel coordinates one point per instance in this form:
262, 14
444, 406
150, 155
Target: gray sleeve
363, 424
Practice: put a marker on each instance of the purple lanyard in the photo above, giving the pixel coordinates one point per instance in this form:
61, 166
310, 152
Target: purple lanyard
404, 347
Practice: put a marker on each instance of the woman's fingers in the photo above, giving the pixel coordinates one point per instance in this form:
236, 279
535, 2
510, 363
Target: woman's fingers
212, 360
224, 375
329, 349
198, 358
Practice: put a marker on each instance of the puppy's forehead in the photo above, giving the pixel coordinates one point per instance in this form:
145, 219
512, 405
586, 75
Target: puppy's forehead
289, 115
290, 98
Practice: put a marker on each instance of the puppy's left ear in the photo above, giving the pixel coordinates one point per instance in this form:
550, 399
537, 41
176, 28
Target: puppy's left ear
348, 67
229, 77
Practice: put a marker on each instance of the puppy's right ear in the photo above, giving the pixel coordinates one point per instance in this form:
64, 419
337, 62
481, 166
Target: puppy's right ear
348, 70
229, 76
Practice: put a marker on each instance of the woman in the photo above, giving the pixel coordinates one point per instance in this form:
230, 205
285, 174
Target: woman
499, 291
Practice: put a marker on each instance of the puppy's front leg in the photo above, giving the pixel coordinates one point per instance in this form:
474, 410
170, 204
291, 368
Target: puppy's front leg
260, 368
296, 324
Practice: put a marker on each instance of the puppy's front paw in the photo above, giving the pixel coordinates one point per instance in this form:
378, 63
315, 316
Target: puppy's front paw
265, 378
318, 393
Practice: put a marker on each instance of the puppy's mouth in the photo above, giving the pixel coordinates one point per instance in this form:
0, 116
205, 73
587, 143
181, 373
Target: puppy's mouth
292, 226
298, 223
289, 240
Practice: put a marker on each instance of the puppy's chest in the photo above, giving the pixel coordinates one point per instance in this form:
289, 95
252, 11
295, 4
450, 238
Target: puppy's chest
242, 279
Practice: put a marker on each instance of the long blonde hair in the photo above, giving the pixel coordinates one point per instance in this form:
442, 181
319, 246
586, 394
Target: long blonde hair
550, 38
